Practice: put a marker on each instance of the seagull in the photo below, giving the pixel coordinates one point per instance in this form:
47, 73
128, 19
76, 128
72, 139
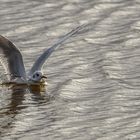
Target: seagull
12, 61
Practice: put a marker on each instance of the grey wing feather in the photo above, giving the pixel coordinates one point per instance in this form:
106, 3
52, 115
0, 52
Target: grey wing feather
11, 59
40, 61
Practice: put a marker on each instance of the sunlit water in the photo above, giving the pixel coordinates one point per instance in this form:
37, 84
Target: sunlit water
93, 89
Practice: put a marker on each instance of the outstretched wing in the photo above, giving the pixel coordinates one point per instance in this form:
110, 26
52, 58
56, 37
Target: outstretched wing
40, 61
11, 59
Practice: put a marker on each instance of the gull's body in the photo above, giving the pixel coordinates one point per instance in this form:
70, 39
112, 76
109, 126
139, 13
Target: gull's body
11, 59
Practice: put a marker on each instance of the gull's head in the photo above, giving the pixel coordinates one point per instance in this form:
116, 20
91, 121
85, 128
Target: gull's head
37, 76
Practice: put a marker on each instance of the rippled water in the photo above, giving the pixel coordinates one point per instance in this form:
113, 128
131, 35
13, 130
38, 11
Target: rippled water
93, 87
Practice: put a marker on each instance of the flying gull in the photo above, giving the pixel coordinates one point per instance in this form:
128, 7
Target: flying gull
11, 60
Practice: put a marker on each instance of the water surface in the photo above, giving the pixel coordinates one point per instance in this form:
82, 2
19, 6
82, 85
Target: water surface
93, 87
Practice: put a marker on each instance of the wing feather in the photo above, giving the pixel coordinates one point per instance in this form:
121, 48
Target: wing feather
40, 61
11, 59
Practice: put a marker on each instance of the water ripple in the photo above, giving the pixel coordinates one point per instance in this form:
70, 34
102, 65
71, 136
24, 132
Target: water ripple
93, 79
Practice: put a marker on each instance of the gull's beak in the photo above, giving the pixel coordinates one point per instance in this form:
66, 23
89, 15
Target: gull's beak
44, 77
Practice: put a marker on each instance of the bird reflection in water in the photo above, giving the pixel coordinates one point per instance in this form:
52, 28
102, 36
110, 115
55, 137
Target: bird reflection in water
37, 88
9, 112
20, 94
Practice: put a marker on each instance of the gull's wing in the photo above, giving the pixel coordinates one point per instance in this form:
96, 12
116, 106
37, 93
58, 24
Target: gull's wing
11, 59
40, 61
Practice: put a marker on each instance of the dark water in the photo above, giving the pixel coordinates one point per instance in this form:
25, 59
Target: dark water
93, 87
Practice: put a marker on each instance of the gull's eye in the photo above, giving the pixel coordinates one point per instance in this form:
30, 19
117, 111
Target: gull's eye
37, 74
